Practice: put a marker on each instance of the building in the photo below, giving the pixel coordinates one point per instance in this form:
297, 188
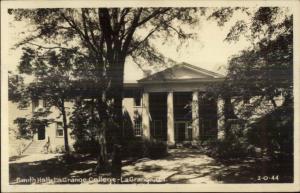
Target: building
170, 105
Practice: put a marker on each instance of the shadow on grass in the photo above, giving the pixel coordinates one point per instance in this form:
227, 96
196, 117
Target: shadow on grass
208, 170
79, 167
236, 171
15, 158
178, 167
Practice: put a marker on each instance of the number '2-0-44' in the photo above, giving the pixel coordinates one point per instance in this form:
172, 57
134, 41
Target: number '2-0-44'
266, 178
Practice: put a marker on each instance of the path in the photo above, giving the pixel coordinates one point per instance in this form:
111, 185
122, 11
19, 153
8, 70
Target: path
181, 166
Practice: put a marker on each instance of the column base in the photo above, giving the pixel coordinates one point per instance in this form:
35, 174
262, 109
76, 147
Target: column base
171, 145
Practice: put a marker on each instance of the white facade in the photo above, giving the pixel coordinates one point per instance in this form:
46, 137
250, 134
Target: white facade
154, 105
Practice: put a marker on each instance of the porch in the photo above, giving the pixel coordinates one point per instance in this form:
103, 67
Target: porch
179, 117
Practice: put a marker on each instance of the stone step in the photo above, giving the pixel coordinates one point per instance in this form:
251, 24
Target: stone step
35, 147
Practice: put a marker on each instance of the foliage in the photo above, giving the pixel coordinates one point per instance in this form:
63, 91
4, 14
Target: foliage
29, 125
17, 91
86, 147
99, 40
60, 149
51, 71
262, 72
139, 148
83, 122
275, 131
266, 68
234, 146
271, 134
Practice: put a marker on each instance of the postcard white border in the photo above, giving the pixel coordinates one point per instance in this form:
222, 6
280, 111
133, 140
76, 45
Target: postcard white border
293, 4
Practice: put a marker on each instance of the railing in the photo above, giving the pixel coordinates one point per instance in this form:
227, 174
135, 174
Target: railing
27, 146
47, 145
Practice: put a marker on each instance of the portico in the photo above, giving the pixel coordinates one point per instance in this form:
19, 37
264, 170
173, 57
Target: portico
175, 105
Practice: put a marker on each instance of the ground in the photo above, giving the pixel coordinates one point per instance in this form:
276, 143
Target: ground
180, 166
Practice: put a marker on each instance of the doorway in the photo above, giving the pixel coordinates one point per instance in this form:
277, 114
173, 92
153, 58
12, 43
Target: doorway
183, 131
41, 133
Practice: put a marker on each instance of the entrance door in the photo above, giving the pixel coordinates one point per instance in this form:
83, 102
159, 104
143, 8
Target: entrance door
41, 133
183, 131
179, 131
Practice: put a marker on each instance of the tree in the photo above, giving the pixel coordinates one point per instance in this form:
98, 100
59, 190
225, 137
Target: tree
263, 71
51, 71
266, 68
17, 89
102, 39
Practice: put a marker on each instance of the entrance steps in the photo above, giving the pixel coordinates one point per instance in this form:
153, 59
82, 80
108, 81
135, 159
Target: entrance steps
36, 147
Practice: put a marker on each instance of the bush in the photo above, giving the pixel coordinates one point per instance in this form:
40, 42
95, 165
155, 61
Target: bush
138, 148
58, 149
274, 132
155, 148
229, 148
86, 147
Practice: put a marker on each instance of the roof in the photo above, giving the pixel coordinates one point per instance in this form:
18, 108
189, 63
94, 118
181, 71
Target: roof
182, 72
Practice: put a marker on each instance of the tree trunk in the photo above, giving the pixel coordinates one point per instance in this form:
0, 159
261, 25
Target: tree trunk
114, 90
65, 126
102, 164
118, 114
116, 75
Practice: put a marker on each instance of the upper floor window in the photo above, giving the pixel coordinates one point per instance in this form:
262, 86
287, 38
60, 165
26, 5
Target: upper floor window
59, 129
38, 103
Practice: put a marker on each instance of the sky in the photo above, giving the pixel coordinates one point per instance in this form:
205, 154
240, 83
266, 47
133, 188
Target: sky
208, 51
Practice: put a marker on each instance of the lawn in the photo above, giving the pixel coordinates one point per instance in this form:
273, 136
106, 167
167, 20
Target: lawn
180, 166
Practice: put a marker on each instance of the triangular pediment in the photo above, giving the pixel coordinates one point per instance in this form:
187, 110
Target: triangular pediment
181, 71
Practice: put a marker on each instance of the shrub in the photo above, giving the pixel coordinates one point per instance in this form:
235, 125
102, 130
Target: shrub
58, 149
155, 148
86, 147
138, 148
274, 132
228, 148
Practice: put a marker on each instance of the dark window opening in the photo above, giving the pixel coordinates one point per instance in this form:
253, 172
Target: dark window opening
59, 130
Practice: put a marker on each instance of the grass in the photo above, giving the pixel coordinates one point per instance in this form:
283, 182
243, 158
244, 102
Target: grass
180, 166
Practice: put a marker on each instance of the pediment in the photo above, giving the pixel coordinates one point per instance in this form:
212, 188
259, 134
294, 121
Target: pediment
182, 71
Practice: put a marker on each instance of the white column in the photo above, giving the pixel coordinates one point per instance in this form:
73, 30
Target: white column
221, 118
146, 116
195, 116
170, 116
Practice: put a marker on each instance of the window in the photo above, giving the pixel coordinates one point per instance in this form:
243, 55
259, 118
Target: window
59, 130
44, 102
137, 101
38, 103
157, 128
138, 127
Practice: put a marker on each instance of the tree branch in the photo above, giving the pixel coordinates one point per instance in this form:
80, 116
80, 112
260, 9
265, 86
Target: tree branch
55, 47
131, 31
141, 42
104, 22
154, 14
80, 33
